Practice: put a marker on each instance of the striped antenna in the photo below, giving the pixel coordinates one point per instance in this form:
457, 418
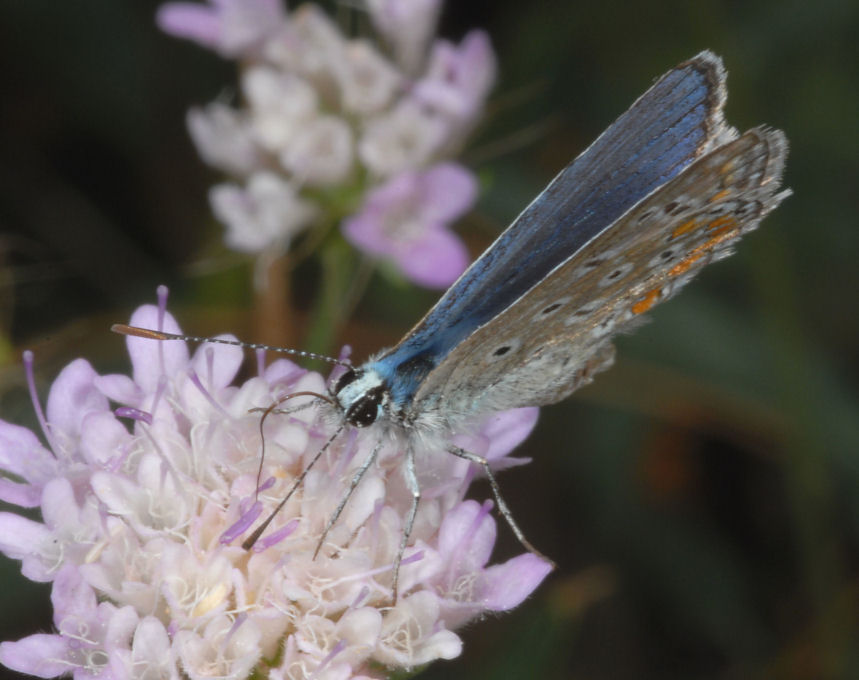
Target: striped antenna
149, 334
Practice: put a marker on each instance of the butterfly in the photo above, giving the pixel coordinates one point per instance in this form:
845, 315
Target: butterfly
666, 189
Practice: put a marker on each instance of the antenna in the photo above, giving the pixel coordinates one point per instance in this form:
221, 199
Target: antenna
150, 334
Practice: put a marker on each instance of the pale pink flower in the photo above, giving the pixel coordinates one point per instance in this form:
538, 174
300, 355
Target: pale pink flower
408, 220
149, 484
224, 138
281, 104
458, 79
266, 213
405, 138
408, 26
231, 27
322, 154
367, 81
310, 45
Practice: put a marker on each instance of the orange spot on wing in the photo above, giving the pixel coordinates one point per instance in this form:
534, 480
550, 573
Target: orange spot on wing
645, 303
697, 253
719, 196
722, 224
685, 264
684, 228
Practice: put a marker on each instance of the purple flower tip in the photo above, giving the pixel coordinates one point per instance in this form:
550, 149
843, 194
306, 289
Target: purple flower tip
242, 525
134, 414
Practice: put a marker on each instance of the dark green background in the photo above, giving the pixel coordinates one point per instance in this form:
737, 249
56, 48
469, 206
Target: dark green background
701, 499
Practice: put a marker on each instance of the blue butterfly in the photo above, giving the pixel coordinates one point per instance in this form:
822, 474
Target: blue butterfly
666, 189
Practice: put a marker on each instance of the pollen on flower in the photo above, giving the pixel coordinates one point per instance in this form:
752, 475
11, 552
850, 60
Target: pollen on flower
143, 520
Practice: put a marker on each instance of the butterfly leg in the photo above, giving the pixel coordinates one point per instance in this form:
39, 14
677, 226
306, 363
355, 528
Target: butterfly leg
502, 505
415, 489
359, 475
250, 540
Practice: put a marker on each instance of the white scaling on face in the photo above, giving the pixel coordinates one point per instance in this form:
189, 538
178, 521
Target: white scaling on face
364, 399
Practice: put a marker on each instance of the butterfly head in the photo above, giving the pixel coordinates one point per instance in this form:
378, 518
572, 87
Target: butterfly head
362, 395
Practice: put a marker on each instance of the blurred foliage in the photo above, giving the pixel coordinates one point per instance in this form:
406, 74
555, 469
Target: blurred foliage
701, 499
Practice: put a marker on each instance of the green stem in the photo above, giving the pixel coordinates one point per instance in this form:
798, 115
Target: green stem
339, 267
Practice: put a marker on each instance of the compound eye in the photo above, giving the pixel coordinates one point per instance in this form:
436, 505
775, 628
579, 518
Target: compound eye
365, 410
350, 376
363, 413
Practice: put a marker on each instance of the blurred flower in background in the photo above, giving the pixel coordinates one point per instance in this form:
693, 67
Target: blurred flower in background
145, 506
331, 126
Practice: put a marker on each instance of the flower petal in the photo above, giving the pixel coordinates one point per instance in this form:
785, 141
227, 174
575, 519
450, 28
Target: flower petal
40, 655
507, 429
449, 191
436, 260
73, 395
151, 359
467, 536
23, 539
217, 365
508, 584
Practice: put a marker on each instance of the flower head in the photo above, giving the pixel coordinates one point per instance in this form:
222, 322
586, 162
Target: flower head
266, 213
149, 484
333, 119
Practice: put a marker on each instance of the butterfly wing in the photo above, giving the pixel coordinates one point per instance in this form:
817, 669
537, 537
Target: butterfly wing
675, 122
552, 339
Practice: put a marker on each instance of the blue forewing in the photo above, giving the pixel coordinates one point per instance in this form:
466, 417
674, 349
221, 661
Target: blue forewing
664, 131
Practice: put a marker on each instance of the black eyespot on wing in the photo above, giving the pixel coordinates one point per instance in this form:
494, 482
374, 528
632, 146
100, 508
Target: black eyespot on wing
501, 351
594, 262
551, 308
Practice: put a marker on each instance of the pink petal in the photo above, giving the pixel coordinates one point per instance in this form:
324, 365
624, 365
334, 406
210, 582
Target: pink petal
217, 365
23, 495
72, 597
507, 429
364, 231
466, 536
22, 539
150, 359
449, 192
59, 507
103, 438
508, 584
72, 396
190, 20
40, 655
434, 261
18, 447
119, 388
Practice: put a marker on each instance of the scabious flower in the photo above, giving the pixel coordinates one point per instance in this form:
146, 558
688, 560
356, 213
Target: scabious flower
333, 116
149, 484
